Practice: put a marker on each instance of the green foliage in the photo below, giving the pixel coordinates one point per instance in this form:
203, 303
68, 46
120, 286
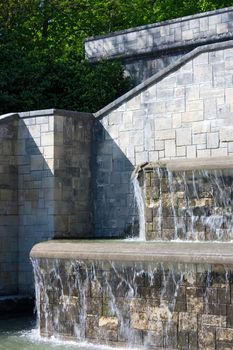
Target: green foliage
42, 61
167, 9
37, 81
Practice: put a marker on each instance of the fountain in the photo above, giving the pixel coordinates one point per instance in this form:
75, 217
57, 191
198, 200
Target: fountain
156, 293
172, 288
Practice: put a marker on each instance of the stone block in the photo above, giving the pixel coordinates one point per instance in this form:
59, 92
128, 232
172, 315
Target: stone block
213, 140
134, 103
36, 162
139, 321
219, 152
163, 123
187, 35
194, 105
213, 321
206, 338
191, 151
47, 139
224, 335
170, 148
226, 134
187, 322
202, 73
193, 116
203, 153
181, 151
183, 137
199, 139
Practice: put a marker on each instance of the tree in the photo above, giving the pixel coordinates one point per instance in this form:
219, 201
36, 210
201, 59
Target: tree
42, 53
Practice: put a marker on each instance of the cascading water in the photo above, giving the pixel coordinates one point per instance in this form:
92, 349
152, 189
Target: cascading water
130, 304
139, 198
152, 303
185, 205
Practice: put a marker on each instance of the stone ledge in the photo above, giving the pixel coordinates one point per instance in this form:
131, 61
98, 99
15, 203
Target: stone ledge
213, 163
174, 252
159, 24
53, 111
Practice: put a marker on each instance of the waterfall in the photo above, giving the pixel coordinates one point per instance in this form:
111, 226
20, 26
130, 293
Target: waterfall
139, 198
147, 304
189, 205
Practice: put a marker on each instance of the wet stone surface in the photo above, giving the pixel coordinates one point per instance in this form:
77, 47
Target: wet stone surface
179, 306
187, 205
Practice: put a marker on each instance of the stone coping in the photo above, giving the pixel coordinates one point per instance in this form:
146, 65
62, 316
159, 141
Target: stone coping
44, 113
136, 251
213, 163
159, 24
161, 75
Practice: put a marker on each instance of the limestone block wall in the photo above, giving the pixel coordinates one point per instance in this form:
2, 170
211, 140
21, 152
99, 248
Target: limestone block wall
156, 305
35, 156
54, 150
146, 50
185, 111
72, 175
187, 204
8, 208
45, 159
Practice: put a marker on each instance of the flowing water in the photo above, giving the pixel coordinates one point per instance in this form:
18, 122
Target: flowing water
139, 199
193, 205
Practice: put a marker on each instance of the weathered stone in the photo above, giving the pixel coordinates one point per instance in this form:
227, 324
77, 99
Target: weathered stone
139, 321
109, 323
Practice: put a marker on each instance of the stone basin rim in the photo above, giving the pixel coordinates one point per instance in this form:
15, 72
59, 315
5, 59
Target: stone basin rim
174, 252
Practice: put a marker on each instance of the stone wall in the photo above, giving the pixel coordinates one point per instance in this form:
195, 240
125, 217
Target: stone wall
8, 207
35, 155
187, 204
185, 111
148, 49
72, 175
44, 189
164, 305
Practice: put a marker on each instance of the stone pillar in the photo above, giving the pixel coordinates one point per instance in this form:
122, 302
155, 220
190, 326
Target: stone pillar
72, 175
8, 208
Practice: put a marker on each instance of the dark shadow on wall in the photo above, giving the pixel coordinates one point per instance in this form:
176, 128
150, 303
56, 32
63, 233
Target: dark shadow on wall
8, 208
114, 208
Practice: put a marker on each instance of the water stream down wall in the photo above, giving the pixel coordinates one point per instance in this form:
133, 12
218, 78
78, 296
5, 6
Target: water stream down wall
149, 294
165, 305
185, 205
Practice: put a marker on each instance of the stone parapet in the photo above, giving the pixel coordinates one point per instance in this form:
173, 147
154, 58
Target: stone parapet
146, 50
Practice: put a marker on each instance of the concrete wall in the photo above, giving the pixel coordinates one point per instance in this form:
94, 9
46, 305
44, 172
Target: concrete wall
186, 111
44, 187
8, 208
146, 50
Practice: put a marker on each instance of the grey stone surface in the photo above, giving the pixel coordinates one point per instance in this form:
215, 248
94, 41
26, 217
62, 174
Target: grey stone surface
148, 49
44, 187
8, 207
211, 253
169, 116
